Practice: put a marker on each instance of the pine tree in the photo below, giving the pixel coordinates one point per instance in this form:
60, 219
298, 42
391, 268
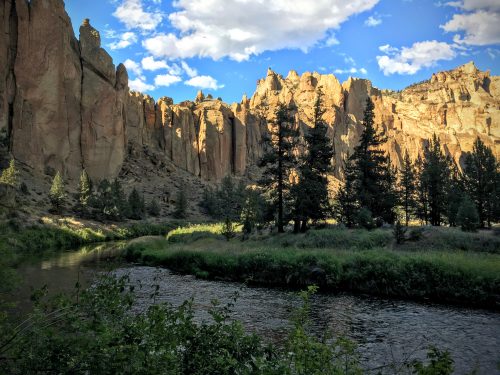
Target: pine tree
181, 205
407, 187
228, 229
279, 160
345, 204
454, 193
136, 205
10, 175
311, 192
436, 177
375, 188
120, 208
421, 204
57, 195
480, 175
84, 192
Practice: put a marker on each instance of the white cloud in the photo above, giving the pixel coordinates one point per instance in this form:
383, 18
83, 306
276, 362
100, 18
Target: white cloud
149, 63
480, 28
139, 84
352, 70
133, 67
409, 60
242, 28
133, 15
204, 82
475, 4
166, 80
386, 48
372, 21
125, 40
191, 72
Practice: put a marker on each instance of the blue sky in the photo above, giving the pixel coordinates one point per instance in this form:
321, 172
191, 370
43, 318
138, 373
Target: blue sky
223, 46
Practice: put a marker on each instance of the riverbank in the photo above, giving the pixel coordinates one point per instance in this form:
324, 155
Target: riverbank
354, 261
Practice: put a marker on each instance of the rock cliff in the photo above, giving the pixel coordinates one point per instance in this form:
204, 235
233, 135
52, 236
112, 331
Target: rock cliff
64, 106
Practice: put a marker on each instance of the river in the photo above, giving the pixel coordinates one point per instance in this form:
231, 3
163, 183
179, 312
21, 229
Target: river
386, 331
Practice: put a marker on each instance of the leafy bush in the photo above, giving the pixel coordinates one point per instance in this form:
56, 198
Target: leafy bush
467, 216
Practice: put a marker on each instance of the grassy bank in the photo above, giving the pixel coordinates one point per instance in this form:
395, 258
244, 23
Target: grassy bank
336, 260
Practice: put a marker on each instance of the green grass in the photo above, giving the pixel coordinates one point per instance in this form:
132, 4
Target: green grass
356, 261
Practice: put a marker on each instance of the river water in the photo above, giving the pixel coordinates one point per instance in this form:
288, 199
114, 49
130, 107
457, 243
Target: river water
386, 331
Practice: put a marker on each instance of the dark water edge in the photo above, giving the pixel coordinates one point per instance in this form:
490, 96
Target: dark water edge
387, 331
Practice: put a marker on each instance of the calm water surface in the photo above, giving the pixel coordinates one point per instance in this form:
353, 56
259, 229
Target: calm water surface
387, 331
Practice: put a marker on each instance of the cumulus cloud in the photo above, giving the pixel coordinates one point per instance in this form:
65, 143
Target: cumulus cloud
125, 40
191, 72
166, 80
373, 21
204, 82
475, 4
133, 15
133, 67
480, 28
352, 70
409, 60
149, 63
139, 84
241, 28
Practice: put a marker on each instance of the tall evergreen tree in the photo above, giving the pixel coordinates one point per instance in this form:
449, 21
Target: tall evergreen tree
279, 160
480, 175
84, 192
436, 177
120, 203
311, 192
375, 188
346, 205
57, 194
181, 204
136, 205
454, 194
421, 204
407, 187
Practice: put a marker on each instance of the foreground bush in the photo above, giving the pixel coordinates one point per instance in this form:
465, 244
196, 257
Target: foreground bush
98, 332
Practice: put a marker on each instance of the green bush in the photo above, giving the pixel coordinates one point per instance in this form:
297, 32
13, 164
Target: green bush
467, 216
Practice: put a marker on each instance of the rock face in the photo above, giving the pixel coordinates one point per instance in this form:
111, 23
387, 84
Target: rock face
64, 106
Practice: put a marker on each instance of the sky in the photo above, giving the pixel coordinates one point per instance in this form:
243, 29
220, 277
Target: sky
175, 48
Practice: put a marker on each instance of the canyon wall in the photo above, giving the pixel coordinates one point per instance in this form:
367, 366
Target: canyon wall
65, 106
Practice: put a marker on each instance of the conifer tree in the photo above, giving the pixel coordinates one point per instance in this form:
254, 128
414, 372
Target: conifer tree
181, 205
436, 177
467, 216
346, 205
84, 192
154, 208
311, 192
136, 205
121, 208
10, 175
57, 195
480, 179
454, 194
421, 204
279, 160
375, 188
407, 187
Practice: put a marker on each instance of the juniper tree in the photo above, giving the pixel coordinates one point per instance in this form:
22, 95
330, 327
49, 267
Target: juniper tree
57, 195
407, 187
279, 160
120, 203
311, 192
181, 205
467, 216
435, 176
10, 175
154, 208
480, 175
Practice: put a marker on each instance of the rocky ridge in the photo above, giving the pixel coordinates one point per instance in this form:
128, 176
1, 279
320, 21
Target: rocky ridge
64, 106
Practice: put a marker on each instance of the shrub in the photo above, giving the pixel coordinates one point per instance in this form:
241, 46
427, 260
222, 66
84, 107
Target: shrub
399, 233
228, 229
364, 219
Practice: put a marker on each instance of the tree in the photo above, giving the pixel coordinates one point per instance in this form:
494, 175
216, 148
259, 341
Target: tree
454, 194
407, 187
226, 199
253, 209
279, 159
136, 205
435, 177
154, 208
421, 204
345, 204
121, 208
467, 216
480, 174
311, 192
57, 195
228, 229
181, 205
374, 185
10, 175
84, 192
399, 233
110, 202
